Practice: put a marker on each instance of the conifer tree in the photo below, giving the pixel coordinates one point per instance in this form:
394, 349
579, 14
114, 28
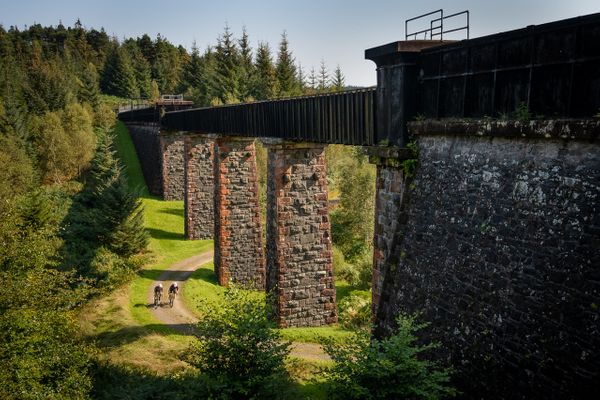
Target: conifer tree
265, 83
301, 78
337, 82
246, 67
286, 70
312, 79
227, 61
118, 77
89, 90
323, 77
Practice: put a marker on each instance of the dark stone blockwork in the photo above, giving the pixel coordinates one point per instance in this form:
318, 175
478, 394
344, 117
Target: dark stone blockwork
145, 138
497, 244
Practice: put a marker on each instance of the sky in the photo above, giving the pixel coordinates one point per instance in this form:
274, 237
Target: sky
335, 31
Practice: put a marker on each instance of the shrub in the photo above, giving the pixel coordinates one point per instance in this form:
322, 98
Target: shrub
392, 368
237, 349
355, 310
359, 273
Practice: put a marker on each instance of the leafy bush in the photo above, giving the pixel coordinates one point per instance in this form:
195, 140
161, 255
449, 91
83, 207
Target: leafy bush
359, 273
237, 349
392, 368
355, 310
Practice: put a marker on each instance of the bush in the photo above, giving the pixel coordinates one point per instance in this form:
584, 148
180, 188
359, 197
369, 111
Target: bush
358, 273
355, 310
392, 368
237, 349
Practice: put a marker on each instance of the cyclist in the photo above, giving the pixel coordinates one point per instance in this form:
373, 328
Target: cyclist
158, 291
173, 290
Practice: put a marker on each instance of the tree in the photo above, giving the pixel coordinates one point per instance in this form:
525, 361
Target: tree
118, 76
242, 356
265, 84
286, 69
301, 79
89, 89
323, 79
247, 70
227, 68
106, 221
391, 368
337, 81
312, 80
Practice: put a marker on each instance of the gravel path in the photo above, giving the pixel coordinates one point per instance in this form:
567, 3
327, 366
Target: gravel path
183, 320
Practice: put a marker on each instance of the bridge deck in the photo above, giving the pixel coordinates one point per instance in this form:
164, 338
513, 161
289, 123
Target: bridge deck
343, 117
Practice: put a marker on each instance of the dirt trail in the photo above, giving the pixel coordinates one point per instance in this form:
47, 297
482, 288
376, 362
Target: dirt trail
182, 319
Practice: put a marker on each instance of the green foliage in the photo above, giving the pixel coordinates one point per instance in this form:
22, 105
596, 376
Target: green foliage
352, 222
286, 70
355, 310
391, 368
105, 217
359, 273
41, 353
118, 75
337, 83
266, 84
409, 166
237, 349
17, 171
522, 112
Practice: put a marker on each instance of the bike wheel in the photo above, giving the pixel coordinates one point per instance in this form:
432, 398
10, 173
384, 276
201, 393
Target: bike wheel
171, 299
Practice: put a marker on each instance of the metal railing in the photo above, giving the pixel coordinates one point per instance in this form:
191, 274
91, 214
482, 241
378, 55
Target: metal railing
436, 25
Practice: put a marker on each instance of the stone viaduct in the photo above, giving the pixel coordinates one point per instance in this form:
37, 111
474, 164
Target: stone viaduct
494, 236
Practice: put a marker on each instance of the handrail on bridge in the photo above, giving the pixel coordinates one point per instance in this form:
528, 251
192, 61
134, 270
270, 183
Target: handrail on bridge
436, 25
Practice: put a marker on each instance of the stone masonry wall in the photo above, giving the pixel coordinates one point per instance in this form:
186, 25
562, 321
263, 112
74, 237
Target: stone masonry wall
299, 255
172, 165
147, 146
239, 255
389, 214
199, 187
498, 248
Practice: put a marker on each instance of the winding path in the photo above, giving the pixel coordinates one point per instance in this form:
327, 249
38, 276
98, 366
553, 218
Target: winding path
182, 319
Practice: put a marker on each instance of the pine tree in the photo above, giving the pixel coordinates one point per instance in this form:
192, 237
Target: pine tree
89, 90
246, 67
323, 77
301, 79
118, 76
337, 82
312, 80
286, 70
227, 68
265, 83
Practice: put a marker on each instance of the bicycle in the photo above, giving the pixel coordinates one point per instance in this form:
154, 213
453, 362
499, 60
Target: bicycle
171, 299
157, 296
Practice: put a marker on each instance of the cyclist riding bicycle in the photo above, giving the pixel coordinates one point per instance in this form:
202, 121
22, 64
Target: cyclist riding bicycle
174, 288
158, 291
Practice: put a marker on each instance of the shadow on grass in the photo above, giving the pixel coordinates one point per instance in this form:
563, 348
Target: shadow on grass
160, 234
122, 382
173, 211
134, 383
128, 335
202, 274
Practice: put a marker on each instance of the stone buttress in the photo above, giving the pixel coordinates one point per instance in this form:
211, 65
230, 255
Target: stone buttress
299, 255
199, 186
239, 255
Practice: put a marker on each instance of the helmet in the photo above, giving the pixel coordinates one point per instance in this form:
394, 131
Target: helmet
160, 285
175, 284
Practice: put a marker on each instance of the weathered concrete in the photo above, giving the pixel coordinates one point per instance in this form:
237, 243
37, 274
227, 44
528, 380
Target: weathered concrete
239, 255
199, 202
299, 256
496, 243
172, 164
147, 145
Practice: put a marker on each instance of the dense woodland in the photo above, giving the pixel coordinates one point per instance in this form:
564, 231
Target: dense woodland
72, 229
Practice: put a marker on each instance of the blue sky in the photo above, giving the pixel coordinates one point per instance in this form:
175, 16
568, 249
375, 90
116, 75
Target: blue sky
334, 30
